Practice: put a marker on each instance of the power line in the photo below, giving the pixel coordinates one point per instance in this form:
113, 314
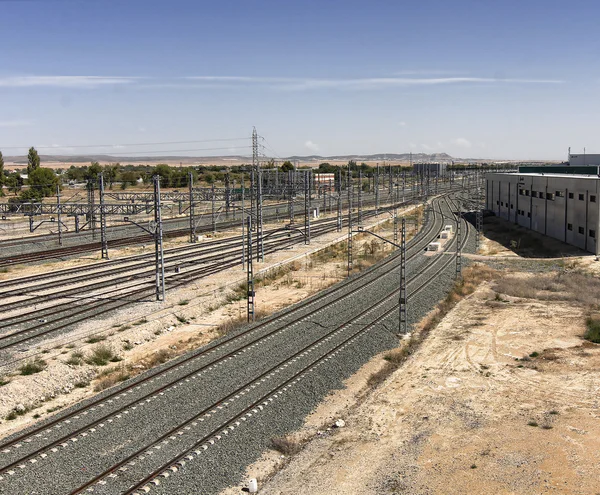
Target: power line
130, 144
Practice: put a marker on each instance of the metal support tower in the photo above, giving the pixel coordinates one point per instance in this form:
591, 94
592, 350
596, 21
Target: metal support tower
395, 225
103, 239
360, 184
458, 243
91, 216
213, 218
350, 247
250, 273
227, 196
260, 250
339, 202
191, 212
58, 215
158, 243
403, 300
306, 207
377, 190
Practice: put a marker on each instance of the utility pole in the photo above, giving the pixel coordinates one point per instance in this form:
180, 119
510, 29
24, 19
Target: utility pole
291, 191
158, 243
458, 244
58, 215
243, 224
360, 183
349, 222
260, 254
395, 225
260, 250
307, 207
250, 274
377, 190
227, 196
212, 214
91, 208
339, 202
103, 239
191, 212
402, 296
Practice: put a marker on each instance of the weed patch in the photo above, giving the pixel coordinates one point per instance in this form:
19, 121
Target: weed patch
33, 367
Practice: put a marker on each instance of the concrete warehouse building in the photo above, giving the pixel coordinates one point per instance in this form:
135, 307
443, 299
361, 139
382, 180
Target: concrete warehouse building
561, 205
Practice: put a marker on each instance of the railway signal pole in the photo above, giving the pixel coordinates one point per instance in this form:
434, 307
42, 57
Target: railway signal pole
307, 207
339, 202
458, 243
250, 274
402, 322
158, 243
58, 215
350, 247
191, 212
103, 239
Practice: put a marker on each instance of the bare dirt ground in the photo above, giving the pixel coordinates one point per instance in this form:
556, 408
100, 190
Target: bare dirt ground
462, 415
502, 397
150, 333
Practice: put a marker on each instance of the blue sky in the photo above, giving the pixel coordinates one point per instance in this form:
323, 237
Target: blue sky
509, 79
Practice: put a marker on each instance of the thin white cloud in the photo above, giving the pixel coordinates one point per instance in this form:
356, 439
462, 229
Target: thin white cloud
463, 143
311, 146
15, 123
402, 124
305, 84
63, 81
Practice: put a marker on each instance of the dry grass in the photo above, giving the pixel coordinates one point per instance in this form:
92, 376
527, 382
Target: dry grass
112, 378
101, 355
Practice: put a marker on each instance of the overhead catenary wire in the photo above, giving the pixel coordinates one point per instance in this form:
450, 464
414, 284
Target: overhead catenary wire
80, 146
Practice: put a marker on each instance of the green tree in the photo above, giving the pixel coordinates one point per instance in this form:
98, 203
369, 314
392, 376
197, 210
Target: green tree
110, 173
165, 172
42, 183
33, 160
287, 166
14, 182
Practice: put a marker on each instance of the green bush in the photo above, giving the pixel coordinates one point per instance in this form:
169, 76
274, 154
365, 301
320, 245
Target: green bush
102, 355
32, 367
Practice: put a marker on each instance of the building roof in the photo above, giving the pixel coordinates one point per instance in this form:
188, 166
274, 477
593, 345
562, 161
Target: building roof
552, 176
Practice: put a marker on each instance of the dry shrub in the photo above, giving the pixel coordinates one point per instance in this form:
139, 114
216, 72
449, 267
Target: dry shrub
159, 357
232, 324
110, 379
562, 286
286, 445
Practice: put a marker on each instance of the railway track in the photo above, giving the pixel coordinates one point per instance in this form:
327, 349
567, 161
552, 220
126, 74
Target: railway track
171, 231
25, 328
281, 325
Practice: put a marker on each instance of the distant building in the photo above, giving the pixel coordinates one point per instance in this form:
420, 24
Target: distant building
325, 181
431, 169
584, 160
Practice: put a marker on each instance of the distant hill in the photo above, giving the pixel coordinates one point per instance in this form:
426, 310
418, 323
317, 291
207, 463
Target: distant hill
229, 159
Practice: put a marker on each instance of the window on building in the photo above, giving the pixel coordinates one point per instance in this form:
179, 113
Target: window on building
528, 214
550, 196
569, 226
592, 198
497, 202
501, 203
592, 233
511, 206
581, 197
521, 192
581, 230
527, 192
560, 194
534, 194
571, 196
